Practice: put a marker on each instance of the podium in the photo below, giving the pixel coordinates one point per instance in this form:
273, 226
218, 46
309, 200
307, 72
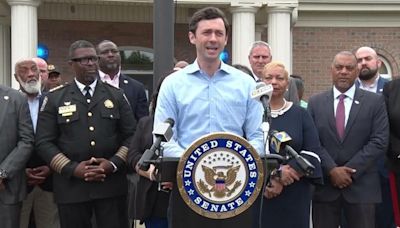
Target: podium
217, 183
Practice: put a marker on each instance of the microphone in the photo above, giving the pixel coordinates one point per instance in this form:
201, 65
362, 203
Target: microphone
279, 143
163, 133
263, 93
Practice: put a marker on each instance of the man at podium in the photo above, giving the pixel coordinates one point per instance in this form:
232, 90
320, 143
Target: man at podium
207, 96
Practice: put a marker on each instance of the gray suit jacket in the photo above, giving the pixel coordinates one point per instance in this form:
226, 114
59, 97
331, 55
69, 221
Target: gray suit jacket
366, 139
16, 143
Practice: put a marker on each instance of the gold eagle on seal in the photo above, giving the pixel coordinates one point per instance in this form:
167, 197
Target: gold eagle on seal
218, 183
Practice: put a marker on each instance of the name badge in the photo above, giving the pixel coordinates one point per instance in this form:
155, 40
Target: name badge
67, 110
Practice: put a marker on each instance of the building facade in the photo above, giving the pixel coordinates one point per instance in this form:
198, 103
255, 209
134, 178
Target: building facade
304, 34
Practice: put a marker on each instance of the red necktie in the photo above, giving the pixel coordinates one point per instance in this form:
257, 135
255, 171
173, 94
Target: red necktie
340, 116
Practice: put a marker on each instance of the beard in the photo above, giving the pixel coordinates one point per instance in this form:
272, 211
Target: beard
31, 87
367, 74
111, 66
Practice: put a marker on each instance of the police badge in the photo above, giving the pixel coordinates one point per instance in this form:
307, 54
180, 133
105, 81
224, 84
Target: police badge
220, 175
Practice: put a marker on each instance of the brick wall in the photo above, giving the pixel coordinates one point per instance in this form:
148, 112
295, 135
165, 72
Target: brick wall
58, 36
313, 48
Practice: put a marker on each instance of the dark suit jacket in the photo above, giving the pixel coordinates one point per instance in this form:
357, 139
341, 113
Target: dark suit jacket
366, 138
16, 143
379, 88
148, 202
35, 161
97, 129
136, 95
391, 93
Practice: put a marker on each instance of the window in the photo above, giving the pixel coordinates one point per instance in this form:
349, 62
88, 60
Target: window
137, 63
385, 71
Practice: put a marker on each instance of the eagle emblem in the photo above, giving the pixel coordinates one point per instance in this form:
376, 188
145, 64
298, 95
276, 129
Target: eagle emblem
217, 182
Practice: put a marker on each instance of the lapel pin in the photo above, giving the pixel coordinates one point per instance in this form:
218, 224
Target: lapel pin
6, 97
356, 102
126, 81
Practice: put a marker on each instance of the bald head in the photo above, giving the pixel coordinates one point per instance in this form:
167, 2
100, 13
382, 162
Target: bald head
42, 65
368, 63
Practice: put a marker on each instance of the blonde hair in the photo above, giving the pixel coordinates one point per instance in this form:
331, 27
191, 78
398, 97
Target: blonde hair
276, 64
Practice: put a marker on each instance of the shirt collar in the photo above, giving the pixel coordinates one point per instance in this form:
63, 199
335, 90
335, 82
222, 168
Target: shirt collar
82, 86
25, 94
194, 68
373, 85
349, 93
104, 75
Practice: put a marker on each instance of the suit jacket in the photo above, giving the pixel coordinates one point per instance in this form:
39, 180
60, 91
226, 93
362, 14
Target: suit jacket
16, 143
365, 140
136, 95
35, 161
96, 129
391, 93
148, 201
379, 88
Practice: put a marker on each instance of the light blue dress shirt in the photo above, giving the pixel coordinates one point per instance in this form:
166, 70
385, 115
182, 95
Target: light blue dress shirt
200, 104
34, 110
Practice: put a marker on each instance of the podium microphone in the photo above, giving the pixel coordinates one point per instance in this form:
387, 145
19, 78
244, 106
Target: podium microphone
163, 133
263, 94
279, 142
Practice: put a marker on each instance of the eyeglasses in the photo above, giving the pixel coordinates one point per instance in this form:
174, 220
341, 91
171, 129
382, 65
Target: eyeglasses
86, 60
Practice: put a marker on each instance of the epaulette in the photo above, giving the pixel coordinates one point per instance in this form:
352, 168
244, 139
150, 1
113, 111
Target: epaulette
56, 88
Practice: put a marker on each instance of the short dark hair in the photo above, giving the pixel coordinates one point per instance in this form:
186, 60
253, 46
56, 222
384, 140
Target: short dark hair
207, 13
79, 44
243, 68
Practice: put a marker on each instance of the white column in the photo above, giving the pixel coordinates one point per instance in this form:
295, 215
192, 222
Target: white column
279, 34
23, 31
243, 32
5, 72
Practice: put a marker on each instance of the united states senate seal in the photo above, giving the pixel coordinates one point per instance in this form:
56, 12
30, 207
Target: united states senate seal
220, 175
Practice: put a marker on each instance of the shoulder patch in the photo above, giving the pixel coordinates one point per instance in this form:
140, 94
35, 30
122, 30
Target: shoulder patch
56, 88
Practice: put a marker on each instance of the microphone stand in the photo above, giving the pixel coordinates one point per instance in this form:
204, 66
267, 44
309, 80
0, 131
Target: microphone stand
265, 127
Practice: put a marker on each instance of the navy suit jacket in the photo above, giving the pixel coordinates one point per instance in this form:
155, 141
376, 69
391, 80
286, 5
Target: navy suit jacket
136, 95
381, 84
365, 140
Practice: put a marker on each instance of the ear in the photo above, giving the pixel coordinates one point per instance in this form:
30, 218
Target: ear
226, 40
379, 62
192, 37
70, 62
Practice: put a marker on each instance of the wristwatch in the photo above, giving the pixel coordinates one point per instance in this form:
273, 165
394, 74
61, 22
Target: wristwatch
3, 174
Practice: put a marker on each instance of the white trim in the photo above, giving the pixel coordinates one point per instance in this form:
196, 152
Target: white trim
312, 154
348, 19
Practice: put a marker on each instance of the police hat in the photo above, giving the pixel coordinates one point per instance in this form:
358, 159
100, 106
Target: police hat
52, 69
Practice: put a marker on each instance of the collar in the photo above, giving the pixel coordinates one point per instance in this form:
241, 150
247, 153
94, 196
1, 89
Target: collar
373, 85
194, 67
81, 86
104, 75
349, 93
26, 95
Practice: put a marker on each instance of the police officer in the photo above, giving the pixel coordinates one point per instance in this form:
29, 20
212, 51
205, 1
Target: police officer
83, 133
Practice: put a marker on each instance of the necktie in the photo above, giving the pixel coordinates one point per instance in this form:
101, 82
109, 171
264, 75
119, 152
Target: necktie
87, 94
340, 116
